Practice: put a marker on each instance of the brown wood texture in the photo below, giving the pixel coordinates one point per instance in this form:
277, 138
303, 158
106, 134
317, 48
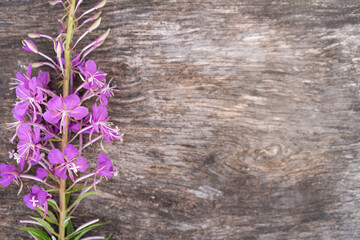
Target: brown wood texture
241, 117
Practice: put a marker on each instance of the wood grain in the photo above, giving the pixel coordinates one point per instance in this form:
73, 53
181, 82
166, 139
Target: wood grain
241, 118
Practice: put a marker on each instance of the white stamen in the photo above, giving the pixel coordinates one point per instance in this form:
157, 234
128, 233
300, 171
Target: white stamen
34, 201
73, 167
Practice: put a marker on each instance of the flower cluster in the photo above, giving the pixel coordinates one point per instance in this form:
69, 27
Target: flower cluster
45, 118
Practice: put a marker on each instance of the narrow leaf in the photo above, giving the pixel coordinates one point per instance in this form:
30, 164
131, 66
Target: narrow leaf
67, 199
82, 232
52, 203
45, 224
49, 219
77, 189
94, 238
69, 228
41, 235
86, 225
81, 197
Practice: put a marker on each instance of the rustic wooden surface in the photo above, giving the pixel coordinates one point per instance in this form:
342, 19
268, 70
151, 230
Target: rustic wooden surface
241, 117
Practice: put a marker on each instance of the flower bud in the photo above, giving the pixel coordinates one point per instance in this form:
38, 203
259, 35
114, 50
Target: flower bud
29, 46
94, 25
58, 47
53, 2
95, 16
102, 37
34, 35
100, 4
37, 64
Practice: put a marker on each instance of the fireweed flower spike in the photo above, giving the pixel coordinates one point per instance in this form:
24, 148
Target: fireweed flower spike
45, 121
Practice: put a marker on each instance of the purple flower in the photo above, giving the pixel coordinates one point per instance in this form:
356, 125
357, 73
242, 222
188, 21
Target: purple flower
99, 122
28, 95
50, 132
30, 92
8, 173
68, 162
30, 46
20, 110
105, 92
59, 107
43, 80
37, 199
74, 126
27, 146
24, 79
93, 77
105, 167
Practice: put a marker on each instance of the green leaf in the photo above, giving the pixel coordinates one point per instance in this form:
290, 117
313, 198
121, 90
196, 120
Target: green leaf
41, 235
53, 204
51, 219
45, 224
54, 139
53, 178
81, 197
67, 199
69, 228
83, 231
77, 189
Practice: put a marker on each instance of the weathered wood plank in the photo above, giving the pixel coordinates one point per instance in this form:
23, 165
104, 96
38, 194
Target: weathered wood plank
241, 117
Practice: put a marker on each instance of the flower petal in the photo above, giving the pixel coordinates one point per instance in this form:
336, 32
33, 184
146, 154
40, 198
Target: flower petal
37, 134
28, 72
35, 189
106, 172
22, 80
79, 113
82, 165
61, 172
6, 181
22, 163
3, 167
21, 109
27, 201
103, 160
54, 104
41, 173
22, 92
74, 126
24, 132
41, 196
100, 113
56, 156
91, 66
71, 101
70, 151
104, 99
52, 117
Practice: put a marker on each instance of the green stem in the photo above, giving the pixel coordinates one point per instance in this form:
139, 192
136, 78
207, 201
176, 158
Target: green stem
64, 140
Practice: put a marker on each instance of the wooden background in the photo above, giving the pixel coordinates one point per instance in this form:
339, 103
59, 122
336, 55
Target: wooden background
241, 117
